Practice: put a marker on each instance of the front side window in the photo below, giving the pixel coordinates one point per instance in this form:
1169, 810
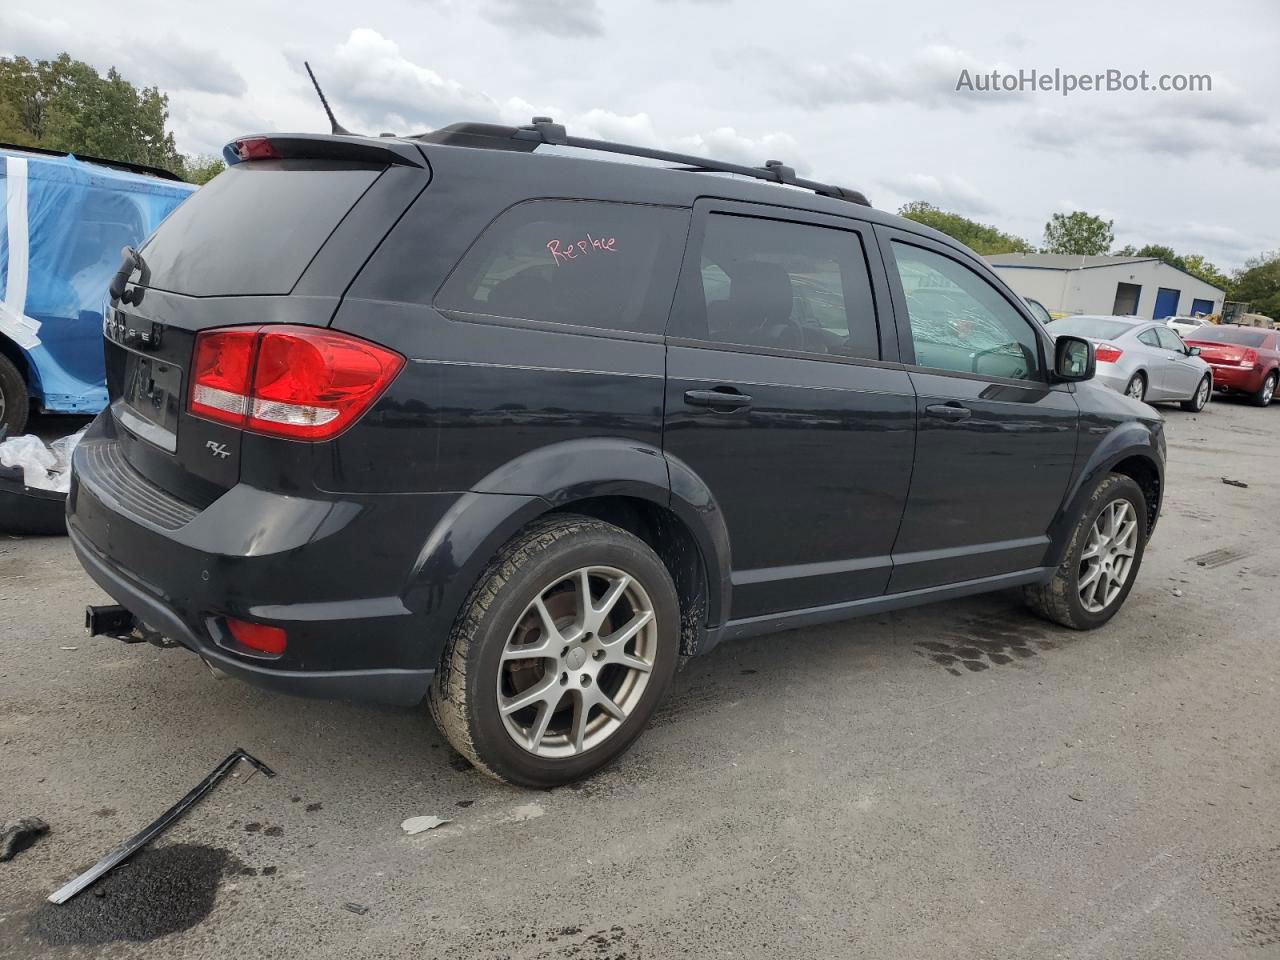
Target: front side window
782, 285
1170, 340
961, 322
582, 262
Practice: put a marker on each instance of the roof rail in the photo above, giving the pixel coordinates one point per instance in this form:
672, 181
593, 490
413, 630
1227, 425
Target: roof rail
545, 130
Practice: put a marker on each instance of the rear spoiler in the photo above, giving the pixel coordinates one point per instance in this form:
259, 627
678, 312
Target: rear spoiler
303, 146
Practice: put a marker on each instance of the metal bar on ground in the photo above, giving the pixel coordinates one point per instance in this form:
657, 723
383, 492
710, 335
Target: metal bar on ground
140, 840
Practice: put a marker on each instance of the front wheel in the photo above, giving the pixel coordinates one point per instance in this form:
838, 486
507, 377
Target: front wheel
1102, 560
561, 654
1201, 396
1265, 392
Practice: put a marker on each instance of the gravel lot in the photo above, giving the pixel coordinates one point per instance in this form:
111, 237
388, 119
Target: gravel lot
820, 793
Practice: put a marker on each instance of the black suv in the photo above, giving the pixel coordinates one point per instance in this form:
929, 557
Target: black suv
448, 418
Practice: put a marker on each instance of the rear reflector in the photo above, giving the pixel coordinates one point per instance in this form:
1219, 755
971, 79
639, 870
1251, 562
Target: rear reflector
1107, 353
305, 383
258, 636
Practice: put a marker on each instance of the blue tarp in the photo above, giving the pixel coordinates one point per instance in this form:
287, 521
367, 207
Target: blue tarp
62, 224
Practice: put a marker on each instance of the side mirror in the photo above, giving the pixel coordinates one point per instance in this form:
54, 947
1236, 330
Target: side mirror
1193, 351
1073, 359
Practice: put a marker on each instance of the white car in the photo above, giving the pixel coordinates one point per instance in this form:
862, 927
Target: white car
1185, 326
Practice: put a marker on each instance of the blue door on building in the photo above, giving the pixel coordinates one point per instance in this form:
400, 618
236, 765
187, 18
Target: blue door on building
1201, 307
1166, 303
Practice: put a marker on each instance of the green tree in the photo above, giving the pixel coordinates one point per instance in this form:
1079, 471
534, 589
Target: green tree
201, 168
979, 237
65, 104
1258, 284
1161, 252
1078, 233
1199, 267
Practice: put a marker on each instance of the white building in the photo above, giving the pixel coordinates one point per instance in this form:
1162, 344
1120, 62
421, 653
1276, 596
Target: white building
1141, 286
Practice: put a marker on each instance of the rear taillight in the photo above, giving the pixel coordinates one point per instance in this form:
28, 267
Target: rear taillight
305, 383
1107, 353
256, 148
1250, 357
258, 636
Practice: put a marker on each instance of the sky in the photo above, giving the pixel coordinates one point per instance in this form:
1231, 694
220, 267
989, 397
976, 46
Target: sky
862, 95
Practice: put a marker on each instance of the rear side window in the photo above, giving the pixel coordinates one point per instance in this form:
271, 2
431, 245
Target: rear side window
585, 263
254, 228
783, 285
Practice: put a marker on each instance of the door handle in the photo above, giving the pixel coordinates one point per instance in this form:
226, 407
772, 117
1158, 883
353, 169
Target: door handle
948, 411
721, 398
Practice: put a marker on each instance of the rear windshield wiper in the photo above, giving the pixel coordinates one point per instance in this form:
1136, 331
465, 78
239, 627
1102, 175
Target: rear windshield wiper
131, 260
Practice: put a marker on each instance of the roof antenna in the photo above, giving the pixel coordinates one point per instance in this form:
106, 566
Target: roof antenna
336, 127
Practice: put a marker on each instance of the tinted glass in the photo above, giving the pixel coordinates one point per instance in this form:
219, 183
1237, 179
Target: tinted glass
789, 286
1168, 339
961, 322
1093, 328
1038, 311
580, 262
1241, 335
1149, 338
253, 228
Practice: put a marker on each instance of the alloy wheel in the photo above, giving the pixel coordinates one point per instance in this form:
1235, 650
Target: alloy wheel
1202, 394
577, 662
1107, 559
1268, 390
1137, 388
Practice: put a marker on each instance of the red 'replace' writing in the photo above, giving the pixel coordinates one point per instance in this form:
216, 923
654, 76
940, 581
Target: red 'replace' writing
561, 252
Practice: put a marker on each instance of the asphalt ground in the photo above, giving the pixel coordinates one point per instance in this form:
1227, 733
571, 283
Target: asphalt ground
961, 780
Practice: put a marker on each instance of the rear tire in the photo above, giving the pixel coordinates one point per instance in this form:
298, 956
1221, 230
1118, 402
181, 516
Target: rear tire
589, 686
1265, 392
1099, 568
1136, 387
14, 402
1200, 398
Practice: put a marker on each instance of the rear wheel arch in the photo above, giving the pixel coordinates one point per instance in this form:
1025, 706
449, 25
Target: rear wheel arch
676, 546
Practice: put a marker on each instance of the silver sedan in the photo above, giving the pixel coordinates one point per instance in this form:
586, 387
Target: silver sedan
1144, 359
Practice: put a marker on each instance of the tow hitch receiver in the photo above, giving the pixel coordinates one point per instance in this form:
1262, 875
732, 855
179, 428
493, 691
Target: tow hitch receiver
115, 621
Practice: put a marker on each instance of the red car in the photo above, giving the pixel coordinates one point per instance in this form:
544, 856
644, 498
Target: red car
1243, 359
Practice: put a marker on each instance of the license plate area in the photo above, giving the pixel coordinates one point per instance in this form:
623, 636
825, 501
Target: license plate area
151, 395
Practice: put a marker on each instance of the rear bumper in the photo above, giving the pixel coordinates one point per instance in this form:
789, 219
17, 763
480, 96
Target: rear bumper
1247, 379
332, 570
405, 687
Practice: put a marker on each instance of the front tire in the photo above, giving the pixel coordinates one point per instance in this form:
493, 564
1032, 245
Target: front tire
560, 655
1136, 387
1200, 399
14, 402
1102, 559
1265, 392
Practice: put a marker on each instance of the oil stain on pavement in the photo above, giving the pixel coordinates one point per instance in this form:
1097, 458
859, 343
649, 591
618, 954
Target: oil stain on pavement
986, 642
155, 893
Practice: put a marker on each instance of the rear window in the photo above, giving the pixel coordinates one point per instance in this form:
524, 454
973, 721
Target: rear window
1095, 328
1238, 335
254, 228
581, 262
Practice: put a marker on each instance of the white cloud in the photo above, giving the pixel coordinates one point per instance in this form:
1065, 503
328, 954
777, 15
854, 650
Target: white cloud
560, 18
927, 78
166, 61
947, 192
